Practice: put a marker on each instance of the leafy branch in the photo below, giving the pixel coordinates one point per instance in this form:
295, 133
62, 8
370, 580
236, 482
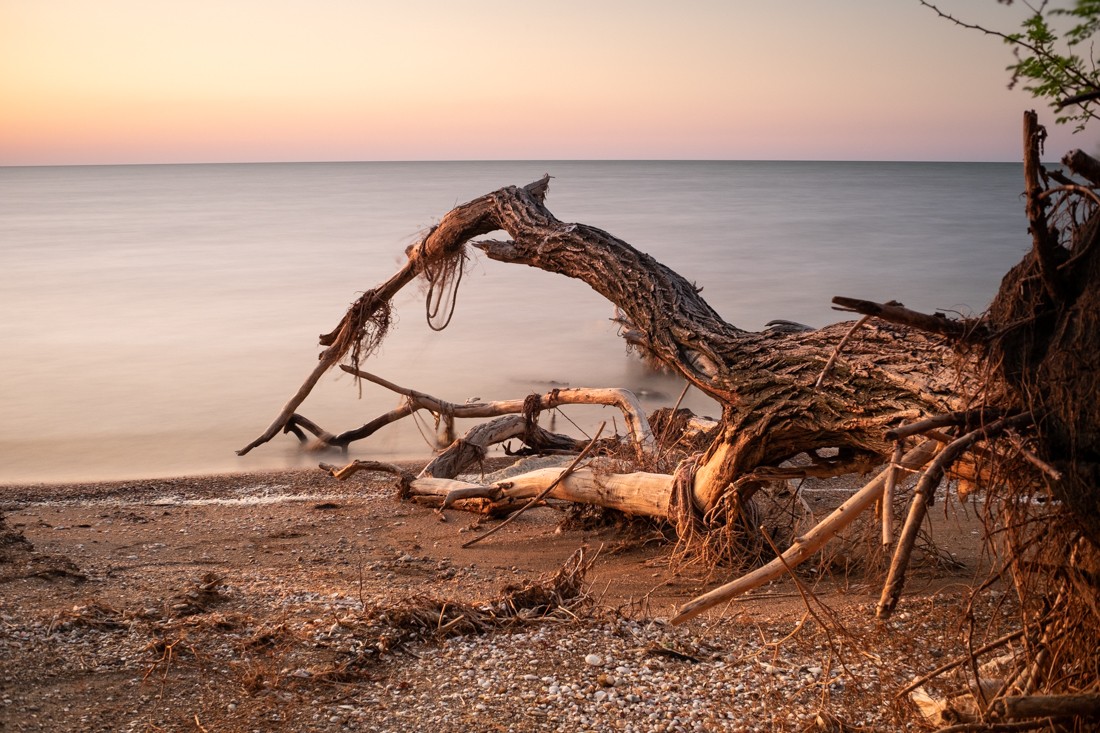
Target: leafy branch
1059, 66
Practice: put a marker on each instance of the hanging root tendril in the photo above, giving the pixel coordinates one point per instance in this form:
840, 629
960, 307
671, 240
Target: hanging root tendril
443, 277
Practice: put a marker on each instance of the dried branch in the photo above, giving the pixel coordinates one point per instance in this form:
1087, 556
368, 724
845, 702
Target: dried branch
809, 543
444, 241
922, 496
970, 331
1083, 165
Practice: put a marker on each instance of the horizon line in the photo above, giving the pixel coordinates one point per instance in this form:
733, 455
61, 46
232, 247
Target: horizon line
514, 160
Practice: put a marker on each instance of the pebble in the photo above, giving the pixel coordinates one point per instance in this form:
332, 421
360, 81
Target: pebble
594, 660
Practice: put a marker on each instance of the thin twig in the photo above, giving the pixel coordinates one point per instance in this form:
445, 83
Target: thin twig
542, 494
839, 347
1033, 459
888, 495
960, 661
806, 595
671, 415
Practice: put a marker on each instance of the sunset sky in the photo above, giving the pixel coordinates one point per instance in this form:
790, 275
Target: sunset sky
134, 81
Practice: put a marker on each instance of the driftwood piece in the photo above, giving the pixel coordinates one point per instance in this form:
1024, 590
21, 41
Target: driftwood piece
626, 401
809, 543
1034, 350
922, 498
544, 493
887, 501
640, 493
1083, 165
470, 449
511, 422
896, 313
763, 380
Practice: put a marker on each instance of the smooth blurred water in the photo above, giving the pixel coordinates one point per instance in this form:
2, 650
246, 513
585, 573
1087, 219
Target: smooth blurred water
156, 318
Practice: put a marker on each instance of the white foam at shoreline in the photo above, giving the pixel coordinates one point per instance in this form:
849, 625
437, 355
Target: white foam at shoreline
177, 501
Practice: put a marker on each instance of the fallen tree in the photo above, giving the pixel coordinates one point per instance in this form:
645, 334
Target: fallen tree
772, 410
1007, 401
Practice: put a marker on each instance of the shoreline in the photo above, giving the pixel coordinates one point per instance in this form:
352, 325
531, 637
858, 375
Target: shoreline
198, 482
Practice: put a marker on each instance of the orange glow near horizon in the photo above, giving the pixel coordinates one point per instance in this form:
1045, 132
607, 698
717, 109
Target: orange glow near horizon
121, 81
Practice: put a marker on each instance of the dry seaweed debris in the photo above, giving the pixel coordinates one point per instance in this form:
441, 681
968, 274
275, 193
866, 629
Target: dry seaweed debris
19, 559
199, 597
555, 596
93, 615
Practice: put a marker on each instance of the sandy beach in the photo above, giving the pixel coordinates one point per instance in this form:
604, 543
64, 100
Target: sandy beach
281, 601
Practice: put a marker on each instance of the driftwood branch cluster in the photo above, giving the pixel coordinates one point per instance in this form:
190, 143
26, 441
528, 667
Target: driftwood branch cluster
1010, 395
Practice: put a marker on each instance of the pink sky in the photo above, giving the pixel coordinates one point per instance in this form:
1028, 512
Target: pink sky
132, 81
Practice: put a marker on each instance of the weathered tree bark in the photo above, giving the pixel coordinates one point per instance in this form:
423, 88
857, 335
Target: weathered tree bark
764, 380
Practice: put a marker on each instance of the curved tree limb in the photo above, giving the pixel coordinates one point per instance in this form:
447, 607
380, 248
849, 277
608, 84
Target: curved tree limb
470, 449
764, 380
625, 400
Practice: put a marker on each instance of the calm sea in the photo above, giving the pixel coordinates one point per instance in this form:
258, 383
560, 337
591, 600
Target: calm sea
156, 318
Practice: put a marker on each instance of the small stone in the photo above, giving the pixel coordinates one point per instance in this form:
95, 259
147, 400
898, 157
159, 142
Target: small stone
594, 660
